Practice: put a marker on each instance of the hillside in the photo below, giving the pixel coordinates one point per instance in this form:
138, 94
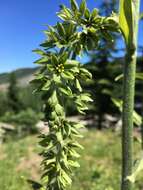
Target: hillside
23, 75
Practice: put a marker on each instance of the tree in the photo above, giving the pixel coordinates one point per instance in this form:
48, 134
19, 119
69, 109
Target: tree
13, 94
3, 103
102, 61
103, 88
28, 100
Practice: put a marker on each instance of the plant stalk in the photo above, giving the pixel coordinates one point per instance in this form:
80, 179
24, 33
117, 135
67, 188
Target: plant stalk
128, 102
142, 128
127, 129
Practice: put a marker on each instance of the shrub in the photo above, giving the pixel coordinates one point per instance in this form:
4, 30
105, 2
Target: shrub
24, 121
3, 103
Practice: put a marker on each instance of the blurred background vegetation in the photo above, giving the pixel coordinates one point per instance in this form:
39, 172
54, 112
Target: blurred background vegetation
21, 110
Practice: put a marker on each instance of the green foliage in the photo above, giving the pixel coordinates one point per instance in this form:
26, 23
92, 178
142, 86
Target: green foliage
128, 19
3, 103
138, 167
126, 22
103, 88
137, 119
28, 100
100, 159
60, 80
14, 152
23, 121
13, 96
102, 61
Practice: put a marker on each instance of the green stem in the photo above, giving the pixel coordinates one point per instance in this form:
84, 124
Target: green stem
142, 129
128, 100
127, 129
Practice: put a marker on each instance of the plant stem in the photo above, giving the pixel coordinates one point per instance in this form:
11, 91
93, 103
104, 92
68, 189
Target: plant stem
128, 101
142, 117
142, 128
127, 129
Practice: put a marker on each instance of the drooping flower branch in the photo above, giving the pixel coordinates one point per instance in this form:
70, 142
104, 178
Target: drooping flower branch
60, 79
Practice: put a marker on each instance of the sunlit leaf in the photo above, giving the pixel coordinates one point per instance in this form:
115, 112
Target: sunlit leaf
138, 167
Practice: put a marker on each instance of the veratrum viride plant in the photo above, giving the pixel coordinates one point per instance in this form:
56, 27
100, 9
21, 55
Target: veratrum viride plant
129, 20
60, 79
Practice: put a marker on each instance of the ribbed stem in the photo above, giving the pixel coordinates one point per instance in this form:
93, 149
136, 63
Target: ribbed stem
127, 129
128, 99
142, 129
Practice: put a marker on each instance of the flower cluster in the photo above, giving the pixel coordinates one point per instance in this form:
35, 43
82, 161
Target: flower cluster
59, 78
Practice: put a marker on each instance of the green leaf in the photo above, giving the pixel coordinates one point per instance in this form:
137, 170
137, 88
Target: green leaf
67, 75
59, 110
139, 76
73, 163
49, 161
104, 81
94, 14
74, 5
73, 153
65, 14
42, 60
118, 103
46, 85
62, 16
57, 79
39, 51
61, 29
72, 66
48, 44
78, 86
66, 91
125, 18
138, 167
86, 73
76, 145
53, 101
71, 63
66, 177
86, 97
82, 7
39, 76
106, 91
107, 36
54, 59
119, 77
67, 129
87, 14
78, 126
137, 119
63, 58
76, 133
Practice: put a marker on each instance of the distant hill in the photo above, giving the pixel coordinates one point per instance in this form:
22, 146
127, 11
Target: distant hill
23, 75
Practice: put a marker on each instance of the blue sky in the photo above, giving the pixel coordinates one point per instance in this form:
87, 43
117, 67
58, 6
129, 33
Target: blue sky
21, 25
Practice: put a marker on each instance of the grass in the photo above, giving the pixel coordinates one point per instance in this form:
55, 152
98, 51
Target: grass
100, 163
